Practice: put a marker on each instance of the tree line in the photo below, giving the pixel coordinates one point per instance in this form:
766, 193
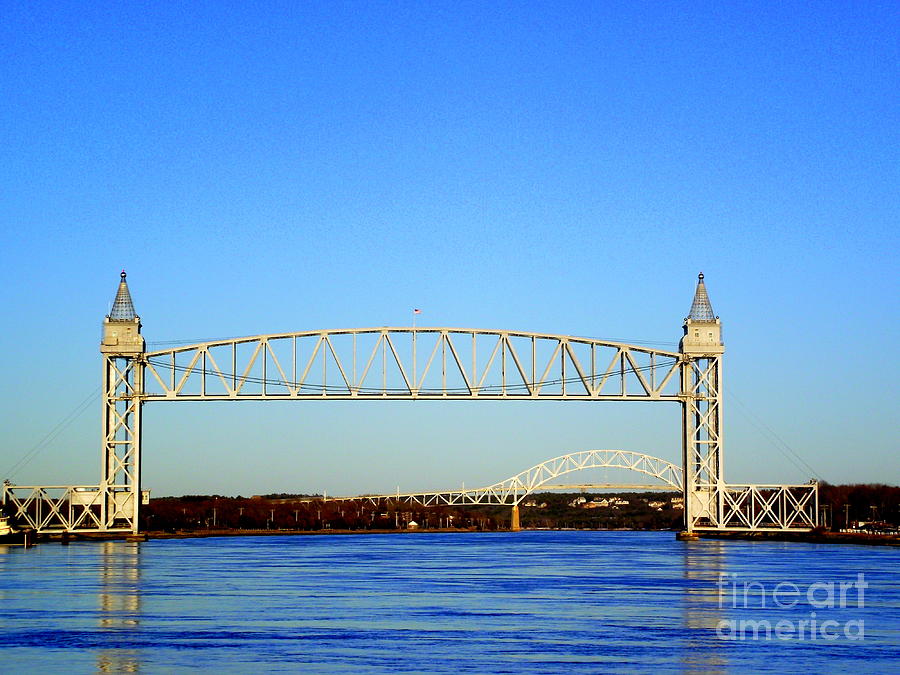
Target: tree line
840, 506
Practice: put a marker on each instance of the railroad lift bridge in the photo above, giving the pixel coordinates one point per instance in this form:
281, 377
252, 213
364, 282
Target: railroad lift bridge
410, 363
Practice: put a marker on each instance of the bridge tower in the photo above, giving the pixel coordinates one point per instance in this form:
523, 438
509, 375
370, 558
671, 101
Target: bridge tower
709, 503
122, 348
701, 348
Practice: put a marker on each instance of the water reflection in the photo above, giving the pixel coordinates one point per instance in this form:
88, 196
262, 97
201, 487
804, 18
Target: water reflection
4, 550
524, 603
702, 652
120, 604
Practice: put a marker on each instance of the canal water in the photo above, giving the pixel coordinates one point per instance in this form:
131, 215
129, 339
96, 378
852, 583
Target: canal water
526, 602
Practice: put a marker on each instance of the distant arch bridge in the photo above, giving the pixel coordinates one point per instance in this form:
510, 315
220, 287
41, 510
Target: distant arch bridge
513, 490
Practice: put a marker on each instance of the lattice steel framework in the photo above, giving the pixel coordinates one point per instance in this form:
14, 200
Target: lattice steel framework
761, 507
702, 444
120, 476
113, 505
701, 426
388, 363
48, 508
418, 363
514, 489
744, 507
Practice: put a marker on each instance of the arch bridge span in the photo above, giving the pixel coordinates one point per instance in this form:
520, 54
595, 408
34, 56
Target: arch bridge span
516, 488
409, 362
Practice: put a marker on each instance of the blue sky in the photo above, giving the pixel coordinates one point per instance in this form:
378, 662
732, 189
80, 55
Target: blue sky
557, 167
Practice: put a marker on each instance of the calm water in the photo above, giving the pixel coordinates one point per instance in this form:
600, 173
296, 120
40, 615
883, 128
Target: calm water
528, 602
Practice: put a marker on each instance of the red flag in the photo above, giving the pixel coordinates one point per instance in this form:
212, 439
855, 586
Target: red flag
417, 311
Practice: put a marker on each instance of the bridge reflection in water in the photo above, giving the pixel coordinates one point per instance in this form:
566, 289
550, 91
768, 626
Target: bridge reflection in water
701, 613
132, 644
120, 605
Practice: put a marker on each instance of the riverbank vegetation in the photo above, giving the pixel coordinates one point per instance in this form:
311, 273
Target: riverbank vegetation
841, 507
309, 512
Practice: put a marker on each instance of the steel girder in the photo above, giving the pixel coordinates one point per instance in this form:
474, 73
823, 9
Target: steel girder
767, 507
63, 508
419, 363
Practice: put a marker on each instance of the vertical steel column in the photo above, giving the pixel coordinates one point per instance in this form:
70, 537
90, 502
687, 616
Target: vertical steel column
687, 444
120, 471
701, 420
122, 349
702, 441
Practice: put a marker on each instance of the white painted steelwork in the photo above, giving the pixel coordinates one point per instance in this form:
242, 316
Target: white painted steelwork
516, 488
419, 363
416, 363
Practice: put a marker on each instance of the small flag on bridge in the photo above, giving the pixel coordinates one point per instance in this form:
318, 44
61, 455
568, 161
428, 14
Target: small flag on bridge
417, 311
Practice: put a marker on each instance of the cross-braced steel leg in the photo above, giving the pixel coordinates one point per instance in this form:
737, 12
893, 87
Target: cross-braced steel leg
702, 441
121, 469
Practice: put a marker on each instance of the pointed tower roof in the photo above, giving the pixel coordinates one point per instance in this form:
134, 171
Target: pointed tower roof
122, 309
701, 308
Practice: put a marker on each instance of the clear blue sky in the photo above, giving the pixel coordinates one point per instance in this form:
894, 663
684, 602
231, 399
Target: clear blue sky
564, 167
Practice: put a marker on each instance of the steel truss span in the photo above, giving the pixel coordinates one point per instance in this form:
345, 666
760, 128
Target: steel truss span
761, 507
57, 508
515, 488
419, 363
431, 364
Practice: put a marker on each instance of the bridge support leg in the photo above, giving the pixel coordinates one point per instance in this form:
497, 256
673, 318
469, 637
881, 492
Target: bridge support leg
702, 442
121, 468
514, 525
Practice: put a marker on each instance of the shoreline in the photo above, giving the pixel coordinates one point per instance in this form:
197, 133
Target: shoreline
206, 534
858, 539
852, 538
